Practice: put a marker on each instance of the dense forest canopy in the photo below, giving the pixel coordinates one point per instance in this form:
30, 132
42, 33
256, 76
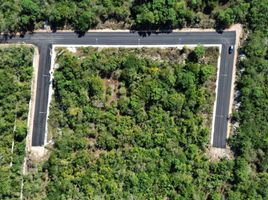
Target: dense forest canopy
83, 15
245, 177
15, 85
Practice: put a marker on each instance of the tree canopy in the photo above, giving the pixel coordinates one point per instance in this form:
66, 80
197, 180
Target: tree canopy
15, 81
146, 140
83, 15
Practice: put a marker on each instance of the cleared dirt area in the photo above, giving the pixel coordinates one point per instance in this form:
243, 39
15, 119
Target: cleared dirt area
216, 154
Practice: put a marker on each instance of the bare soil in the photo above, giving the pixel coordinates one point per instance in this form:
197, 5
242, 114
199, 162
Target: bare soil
216, 154
113, 86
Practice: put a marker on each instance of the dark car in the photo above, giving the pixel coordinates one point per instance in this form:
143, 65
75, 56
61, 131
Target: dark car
231, 49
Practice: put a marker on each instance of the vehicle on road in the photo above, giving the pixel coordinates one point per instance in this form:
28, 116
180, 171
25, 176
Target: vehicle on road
231, 49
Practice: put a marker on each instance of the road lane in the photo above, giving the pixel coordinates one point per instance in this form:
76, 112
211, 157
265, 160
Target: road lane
40, 114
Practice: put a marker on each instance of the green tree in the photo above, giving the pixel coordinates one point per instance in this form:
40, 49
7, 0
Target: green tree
30, 13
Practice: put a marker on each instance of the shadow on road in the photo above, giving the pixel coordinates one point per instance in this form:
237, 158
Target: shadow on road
144, 33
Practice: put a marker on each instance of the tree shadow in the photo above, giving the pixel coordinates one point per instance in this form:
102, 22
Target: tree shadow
219, 27
56, 25
80, 33
22, 34
192, 57
207, 10
146, 33
4, 37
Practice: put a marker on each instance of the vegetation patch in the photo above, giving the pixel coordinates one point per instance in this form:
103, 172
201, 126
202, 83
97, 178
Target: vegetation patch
15, 90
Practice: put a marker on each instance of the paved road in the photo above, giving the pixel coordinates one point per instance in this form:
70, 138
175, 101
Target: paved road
45, 40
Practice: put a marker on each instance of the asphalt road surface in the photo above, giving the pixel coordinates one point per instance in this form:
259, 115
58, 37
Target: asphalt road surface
44, 41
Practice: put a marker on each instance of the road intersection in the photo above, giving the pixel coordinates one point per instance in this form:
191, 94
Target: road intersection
44, 42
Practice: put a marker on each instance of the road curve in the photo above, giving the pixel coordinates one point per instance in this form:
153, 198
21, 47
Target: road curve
45, 40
